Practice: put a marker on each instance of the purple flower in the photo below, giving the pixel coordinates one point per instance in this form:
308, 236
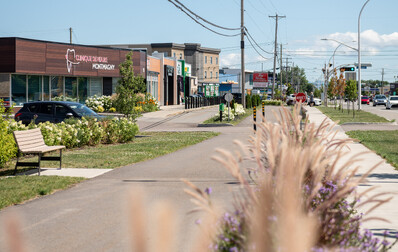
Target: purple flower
198, 221
385, 243
208, 190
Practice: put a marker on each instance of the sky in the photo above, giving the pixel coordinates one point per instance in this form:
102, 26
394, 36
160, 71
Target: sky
159, 21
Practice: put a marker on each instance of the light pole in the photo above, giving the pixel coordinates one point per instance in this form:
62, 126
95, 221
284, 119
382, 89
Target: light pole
327, 67
359, 56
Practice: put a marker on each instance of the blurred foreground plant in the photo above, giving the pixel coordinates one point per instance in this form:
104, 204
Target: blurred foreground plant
294, 196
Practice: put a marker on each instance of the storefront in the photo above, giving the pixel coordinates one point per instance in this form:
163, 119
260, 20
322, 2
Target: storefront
32, 70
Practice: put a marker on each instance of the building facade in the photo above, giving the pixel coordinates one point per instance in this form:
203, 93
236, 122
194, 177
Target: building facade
204, 61
34, 70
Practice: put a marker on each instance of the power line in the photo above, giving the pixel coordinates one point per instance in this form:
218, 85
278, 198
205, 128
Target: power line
248, 38
225, 35
248, 33
199, 17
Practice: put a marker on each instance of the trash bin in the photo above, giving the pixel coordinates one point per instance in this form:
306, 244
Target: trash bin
221, 107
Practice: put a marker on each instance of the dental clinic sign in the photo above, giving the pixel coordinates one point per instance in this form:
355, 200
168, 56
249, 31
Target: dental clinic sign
97, 62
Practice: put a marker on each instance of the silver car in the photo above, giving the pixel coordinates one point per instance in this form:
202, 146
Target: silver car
380, 100
392, 101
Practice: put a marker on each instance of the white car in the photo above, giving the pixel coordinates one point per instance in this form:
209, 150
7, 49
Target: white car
291, 99
392, 101
318, 102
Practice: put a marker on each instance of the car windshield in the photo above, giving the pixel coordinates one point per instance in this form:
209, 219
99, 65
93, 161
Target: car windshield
394, 98
364, 97
380, 97
82, 110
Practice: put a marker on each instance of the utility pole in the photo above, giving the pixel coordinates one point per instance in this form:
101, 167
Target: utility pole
70, 35
275, 50
242, 54
382, 80
280, 69
294, 86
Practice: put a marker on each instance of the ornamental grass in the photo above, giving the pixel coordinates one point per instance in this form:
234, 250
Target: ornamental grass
294, 196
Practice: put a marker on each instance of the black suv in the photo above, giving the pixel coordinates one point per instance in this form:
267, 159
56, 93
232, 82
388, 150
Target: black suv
53, 111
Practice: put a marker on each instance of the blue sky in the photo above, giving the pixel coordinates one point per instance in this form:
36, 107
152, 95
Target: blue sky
152, 21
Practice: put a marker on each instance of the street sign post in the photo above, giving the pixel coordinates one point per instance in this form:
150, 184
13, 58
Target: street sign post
228, 97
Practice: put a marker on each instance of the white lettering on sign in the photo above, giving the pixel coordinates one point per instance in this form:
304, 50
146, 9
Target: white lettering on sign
103, 66
99, 63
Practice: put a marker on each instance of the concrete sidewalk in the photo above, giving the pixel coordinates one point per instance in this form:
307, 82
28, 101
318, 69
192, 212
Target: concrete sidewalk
69, 172
384, 177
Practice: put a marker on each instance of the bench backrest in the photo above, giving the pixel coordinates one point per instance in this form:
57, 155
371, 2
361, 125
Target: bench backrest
29, 139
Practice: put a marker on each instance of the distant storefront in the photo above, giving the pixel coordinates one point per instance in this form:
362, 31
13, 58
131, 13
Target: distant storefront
33, 70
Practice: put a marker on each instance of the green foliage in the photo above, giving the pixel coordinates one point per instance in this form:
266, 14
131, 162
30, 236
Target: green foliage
290, 89
273, 103
298, 76
128, 87
8, 148
317, 93
256, 100
307, 88
249, 101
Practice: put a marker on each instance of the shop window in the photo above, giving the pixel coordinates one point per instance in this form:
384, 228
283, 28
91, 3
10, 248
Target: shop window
34, 88
57, 87
180, 55
46, 88
205, 59
18, 89
71, 89
95, 86
82, 83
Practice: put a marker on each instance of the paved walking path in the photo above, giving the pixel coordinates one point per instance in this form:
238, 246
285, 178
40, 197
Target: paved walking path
385, 177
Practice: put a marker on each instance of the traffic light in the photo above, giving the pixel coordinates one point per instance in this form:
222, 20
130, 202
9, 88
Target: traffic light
347, 69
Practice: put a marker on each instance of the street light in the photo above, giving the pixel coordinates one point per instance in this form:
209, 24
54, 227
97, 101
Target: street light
327, 70
359, 55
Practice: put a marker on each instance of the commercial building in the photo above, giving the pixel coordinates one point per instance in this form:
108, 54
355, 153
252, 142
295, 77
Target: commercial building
204, 61
34, 70
231, 81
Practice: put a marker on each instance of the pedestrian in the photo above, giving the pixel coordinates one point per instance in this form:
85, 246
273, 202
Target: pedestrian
312, 103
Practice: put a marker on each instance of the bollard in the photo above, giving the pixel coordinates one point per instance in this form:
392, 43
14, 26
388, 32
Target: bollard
263, 104
186, 103
254, 117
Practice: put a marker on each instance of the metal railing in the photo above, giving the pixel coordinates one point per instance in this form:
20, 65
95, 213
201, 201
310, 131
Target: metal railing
197, 102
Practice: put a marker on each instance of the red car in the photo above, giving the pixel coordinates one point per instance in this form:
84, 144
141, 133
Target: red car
365, 99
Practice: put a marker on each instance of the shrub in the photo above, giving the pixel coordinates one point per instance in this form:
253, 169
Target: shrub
272, 102
8, 148
100, 103
248, 101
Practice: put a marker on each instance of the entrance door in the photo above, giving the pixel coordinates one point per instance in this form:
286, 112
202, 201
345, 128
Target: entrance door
107, 86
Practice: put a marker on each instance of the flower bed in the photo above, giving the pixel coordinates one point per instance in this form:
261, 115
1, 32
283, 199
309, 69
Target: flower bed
73, 133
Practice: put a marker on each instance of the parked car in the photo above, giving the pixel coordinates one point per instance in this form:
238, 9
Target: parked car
392, 101
291, 99
317, 101
53, 111
364, 100
380, 100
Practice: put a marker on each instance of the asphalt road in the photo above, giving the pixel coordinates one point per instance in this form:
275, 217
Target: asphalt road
95, 214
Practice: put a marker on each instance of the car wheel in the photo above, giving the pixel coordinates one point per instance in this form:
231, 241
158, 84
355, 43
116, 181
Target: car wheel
374, 105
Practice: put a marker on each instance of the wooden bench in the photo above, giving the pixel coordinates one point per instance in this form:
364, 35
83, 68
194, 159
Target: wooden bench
32, 142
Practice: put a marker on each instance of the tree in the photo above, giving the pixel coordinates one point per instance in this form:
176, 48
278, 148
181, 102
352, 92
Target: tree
294, 76
317, 92
128, 87
351, 93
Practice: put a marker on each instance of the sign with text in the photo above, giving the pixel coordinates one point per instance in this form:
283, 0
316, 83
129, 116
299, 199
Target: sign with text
260, 80
301, 97
260, 77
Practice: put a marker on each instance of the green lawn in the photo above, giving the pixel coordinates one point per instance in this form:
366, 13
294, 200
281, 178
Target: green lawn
344, 117
384, 143
15, 190
238, 119
149, 146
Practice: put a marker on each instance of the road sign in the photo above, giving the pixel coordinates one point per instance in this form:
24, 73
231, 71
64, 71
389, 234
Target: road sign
229, 97
301, 97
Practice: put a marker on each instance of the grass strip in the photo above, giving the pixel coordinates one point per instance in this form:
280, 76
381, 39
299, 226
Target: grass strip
345, 117
15, 190
151, 145
384, 143
237, 120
